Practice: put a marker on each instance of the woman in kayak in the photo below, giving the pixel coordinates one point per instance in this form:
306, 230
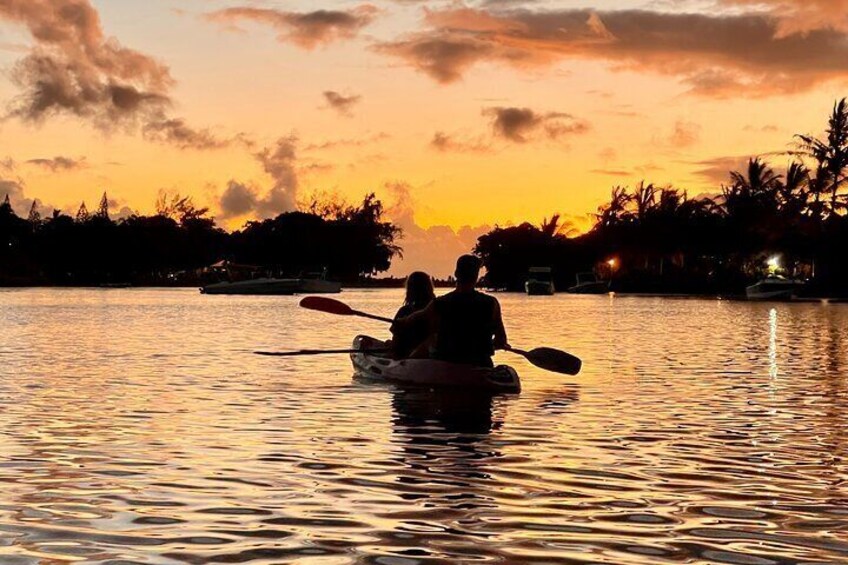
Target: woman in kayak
408, 338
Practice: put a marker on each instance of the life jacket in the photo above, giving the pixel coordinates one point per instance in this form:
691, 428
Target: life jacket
465, 328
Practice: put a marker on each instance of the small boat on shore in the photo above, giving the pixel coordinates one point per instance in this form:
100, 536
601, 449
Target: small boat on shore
774, 288
588, 283
540, 282
430, 373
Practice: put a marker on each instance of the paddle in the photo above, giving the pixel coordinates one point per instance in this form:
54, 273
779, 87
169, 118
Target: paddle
331, 306
316, 352
551, 359
546, 358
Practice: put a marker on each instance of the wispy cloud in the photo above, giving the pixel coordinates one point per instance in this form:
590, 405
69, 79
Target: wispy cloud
343, 104
59, 164
519, 125
304, 29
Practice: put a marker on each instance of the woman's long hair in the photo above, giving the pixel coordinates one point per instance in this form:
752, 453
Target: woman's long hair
419, 290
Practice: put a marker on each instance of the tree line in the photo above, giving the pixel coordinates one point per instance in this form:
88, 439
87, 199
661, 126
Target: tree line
659, 239
172, 245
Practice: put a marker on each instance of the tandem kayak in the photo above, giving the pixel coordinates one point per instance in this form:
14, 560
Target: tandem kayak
429, 372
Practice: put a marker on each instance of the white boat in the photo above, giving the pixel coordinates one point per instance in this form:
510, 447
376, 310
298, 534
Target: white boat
273, 286
774, 288
540, 282
267, 286
588, 283
430, 373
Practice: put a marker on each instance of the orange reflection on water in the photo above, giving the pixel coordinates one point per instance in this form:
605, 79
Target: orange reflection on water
136, 426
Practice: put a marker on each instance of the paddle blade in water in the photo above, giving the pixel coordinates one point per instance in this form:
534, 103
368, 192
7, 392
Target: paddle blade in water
327, 305
554, 360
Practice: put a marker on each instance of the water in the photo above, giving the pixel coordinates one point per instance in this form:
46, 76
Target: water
135, 427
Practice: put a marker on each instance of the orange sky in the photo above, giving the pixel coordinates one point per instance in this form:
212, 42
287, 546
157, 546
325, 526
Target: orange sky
460, 115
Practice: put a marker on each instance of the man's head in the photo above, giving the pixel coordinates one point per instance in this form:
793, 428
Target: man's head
467, 270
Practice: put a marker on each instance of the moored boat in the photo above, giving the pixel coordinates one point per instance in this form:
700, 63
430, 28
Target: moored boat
540, 282
588, 283
262, 286
774, 288
429, 372
274, 286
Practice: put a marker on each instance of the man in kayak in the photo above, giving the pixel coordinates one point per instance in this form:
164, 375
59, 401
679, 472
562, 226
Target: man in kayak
467, 326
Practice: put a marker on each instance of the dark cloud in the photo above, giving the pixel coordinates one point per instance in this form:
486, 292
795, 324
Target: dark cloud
717, 169
341, 103
175, 131
305, 29
57, 164
712, 54
280, 163
521, 124
448, 143
75, 69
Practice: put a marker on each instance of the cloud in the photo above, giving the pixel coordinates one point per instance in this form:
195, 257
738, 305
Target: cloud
521, 124
433, 249
611, 172
713, 55
21, 204
57, 164
447, 143
685, 134
341, 103
304, 29
74, 69
347, 142
279, 163
800, 16
175, 131
717, 170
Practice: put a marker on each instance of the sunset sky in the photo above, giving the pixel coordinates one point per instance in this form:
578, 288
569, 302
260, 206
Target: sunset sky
459, 115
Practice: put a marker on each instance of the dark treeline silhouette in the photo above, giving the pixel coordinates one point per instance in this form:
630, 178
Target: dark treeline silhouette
169, 247
659, 239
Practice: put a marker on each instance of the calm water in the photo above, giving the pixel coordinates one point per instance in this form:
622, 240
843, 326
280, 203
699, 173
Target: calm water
135, 427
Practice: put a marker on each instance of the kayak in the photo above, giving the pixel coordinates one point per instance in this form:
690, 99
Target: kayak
429, 372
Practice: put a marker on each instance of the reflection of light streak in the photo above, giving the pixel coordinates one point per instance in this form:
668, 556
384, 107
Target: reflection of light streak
773, 343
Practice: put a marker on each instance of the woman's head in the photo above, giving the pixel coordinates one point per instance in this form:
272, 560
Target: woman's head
419, 289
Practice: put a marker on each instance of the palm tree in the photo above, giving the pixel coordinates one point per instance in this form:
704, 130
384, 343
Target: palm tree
831, 154
554, 227
644, 199
758, 180
615, 211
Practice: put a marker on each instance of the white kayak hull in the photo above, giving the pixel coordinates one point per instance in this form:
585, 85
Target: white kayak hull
430, 372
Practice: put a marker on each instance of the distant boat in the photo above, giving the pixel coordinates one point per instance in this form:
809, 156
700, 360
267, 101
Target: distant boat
540, 282
774, 288
263, 285
588, 283
274, 286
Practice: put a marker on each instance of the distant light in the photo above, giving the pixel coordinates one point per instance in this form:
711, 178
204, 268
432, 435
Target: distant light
774, 262
611, 262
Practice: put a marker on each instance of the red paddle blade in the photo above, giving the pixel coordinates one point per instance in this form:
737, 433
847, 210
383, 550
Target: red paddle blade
328, 305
